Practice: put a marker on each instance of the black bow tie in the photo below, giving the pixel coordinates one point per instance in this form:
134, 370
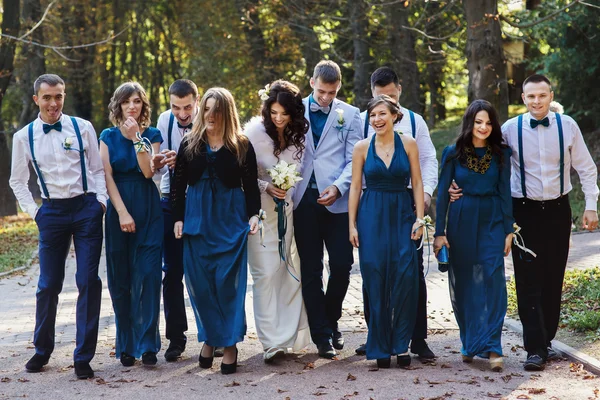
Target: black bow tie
189, 126
56, 126
534, 122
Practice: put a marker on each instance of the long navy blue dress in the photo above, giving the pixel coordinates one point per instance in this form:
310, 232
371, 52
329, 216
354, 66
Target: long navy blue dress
478, 223
133, 260
388, 257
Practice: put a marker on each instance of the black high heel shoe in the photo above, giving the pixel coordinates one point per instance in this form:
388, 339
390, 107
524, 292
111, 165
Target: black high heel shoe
206, 362
403, 360
384, 362
227, 369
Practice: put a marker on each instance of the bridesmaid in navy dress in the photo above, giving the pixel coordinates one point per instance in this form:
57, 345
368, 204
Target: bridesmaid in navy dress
383, 223
479, 230
216, 202
133, 225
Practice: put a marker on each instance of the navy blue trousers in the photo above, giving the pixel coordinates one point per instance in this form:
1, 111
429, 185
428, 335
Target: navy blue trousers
174, 304
313, 226
58, 221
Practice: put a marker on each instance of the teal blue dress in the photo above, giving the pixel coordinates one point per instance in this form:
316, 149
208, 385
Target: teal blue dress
388, 256
215, 256
477, 225
133, 260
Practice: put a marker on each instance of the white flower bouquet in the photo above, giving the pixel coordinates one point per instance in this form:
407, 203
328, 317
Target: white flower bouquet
284, 175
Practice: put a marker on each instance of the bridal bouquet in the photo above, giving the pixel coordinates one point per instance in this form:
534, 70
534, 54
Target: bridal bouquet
284, 175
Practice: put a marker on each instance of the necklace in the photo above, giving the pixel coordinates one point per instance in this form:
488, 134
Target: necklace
476, 164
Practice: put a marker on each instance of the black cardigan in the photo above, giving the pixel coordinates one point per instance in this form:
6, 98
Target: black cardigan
227, 169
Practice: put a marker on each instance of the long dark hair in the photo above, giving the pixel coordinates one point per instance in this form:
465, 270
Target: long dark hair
465, 137
288, 96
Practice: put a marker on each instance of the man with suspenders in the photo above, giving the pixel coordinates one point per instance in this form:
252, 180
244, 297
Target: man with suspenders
385, 81
64, 153
545, 145
173, 125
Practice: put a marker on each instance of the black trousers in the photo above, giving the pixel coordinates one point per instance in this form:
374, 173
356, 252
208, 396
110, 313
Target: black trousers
420, 331
546, 228
313, 226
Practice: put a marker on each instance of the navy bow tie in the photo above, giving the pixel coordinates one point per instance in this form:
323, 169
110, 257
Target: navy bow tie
314, 107
56, 126
189, 126
534, 122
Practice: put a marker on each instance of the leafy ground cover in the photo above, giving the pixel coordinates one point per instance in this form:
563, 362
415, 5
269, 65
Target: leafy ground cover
18, 239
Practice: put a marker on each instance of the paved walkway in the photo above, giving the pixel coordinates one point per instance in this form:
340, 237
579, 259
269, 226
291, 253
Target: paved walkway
17, 319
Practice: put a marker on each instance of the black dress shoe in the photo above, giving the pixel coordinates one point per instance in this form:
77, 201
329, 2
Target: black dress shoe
206, 362
552, 354
534, 363
219, 351
149, 358
36, 363
338, 340
420, 348
173, 352
326, 350
227, 369
384, 362
403, 360
361, 350
83, 370
127, 360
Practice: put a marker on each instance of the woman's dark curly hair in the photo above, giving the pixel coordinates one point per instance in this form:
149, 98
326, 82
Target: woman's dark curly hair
465, 137
288, 96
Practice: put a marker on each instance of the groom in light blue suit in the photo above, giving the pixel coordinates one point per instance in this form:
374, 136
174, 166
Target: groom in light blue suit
321, 205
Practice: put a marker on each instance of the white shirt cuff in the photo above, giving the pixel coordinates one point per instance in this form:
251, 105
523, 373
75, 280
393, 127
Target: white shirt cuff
590, 204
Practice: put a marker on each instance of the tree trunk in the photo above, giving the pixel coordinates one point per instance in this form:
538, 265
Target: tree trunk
10, 26
363, 62
34, 63
485, 55
402, 45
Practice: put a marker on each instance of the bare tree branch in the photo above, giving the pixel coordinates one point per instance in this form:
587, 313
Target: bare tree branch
432, 37
589, 5
547, 17
79, 46
29, 32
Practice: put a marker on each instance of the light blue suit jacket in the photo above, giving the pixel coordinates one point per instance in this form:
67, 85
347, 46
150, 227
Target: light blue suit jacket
332, 159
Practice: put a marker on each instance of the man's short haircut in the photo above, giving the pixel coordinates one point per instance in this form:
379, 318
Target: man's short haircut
328, 71
537, 78
49, 79
182, 88
384, 76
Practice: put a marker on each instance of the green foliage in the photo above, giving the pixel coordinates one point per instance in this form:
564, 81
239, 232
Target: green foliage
580, 302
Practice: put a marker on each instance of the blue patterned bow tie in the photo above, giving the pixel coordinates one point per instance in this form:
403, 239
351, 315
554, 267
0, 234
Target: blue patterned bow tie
47, 127
314, 107
189, 126
534, 122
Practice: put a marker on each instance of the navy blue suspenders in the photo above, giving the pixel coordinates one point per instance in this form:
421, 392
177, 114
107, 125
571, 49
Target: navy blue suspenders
413, 124
81, 159
561, 141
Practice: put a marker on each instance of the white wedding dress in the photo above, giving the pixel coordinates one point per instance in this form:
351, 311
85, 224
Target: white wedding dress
279, 311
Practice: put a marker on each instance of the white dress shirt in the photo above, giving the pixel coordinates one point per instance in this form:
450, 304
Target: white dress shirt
60, 168
542, 160
427, 154
177, 134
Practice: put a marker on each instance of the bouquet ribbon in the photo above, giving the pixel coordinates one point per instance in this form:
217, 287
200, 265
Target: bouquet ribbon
520, 242
425, 226
280, 205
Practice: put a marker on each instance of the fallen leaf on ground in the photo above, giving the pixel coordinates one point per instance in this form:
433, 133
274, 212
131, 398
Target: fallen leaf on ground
494, 395
5, 379
319, 393
232, 384
445, 366
350, 395
416, 381
523, 396
350, 377
537, 390
506, 378
100, 381
309, 366
281, 391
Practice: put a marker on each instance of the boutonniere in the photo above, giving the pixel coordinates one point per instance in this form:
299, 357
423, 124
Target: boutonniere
264, 93
340, 119
68, 143
398, 133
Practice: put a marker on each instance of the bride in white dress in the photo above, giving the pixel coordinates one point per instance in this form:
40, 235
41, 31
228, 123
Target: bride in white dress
278, 134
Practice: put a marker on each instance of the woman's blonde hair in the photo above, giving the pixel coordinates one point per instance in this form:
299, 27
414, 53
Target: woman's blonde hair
124, 92
227, 120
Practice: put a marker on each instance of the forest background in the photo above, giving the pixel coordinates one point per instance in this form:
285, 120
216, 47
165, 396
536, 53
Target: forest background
447, 53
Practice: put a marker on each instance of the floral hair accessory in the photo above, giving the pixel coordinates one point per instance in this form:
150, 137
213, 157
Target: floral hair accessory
264, 93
